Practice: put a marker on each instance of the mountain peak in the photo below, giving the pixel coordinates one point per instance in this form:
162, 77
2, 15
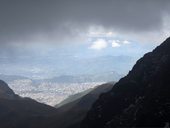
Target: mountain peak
164, 47
5, 91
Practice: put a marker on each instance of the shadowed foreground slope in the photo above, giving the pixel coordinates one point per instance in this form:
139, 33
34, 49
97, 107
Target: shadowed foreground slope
71, 114
18, 112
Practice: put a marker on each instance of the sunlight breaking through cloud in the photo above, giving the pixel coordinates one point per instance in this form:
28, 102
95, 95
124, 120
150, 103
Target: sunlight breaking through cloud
99, 44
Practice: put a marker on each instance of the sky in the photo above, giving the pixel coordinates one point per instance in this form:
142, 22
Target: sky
78, 29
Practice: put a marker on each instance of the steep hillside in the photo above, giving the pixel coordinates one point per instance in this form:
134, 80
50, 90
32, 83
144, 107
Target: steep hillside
141, 99
18, 112
73, 97
71, 114
5, 91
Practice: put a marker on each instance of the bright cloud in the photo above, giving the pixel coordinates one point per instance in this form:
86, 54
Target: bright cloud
126, 42
102, 43
118, 43
99, 44
115, 43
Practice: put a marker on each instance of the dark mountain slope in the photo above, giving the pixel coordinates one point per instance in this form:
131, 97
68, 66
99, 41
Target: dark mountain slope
74, 97
71, 114
17, 112
142, 98
5, 91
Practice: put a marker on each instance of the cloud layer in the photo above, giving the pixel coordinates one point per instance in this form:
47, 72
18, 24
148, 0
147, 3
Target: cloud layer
61, 21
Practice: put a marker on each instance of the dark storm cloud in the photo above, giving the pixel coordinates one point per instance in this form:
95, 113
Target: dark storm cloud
23, 20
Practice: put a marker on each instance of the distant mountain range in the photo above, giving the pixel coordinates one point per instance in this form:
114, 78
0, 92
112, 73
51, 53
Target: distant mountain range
105, 77
10, 78
70, 65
